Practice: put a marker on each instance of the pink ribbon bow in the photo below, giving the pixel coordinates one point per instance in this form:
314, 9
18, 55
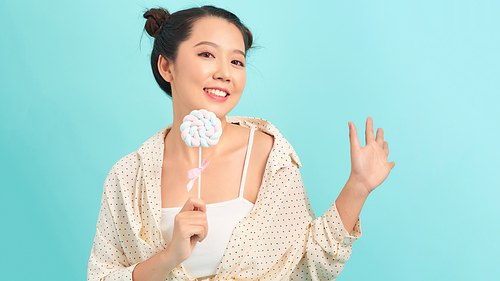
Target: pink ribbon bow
194, 173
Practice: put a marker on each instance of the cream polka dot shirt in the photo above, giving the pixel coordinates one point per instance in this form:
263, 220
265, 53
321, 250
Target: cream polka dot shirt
279, 239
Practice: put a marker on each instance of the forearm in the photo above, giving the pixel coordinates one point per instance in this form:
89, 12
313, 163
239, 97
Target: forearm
155, 268
349, 204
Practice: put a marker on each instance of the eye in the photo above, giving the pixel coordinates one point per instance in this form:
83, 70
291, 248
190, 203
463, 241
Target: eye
237, 62
205, 55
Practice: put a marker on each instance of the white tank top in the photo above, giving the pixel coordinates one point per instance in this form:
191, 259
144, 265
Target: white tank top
222, 217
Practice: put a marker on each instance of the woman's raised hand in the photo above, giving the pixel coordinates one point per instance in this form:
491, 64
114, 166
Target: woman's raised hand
190, 227
369, 164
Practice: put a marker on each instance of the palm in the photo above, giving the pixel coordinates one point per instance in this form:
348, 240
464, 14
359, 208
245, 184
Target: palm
369, 164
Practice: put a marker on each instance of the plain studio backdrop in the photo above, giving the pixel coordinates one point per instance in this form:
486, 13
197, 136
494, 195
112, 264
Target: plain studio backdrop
77, 94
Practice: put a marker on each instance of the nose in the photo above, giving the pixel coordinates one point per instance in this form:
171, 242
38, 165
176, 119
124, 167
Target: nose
223, 72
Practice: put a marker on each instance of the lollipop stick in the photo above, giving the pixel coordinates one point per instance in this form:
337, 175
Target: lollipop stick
199, 165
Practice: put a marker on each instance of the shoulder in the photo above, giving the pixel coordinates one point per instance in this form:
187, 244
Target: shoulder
150, 152
270, 139
127, 163
263, 142
123, 174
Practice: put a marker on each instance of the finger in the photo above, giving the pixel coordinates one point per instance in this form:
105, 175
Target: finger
186, 230
205, 226
197, 230
353, 137
392, 164
369, 130
386, 147
194, 203
380, 137
198, 219
191, 218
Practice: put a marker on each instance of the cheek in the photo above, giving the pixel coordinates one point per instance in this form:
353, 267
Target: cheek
193, 70
242, 80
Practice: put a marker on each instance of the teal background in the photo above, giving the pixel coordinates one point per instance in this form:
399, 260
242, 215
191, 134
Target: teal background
77, 94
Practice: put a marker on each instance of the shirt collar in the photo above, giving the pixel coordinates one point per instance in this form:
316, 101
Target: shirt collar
282, 150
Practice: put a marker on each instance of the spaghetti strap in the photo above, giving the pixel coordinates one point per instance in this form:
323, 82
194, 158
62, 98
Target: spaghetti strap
247, 158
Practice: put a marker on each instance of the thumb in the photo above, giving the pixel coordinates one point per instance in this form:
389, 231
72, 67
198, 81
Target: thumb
353, 137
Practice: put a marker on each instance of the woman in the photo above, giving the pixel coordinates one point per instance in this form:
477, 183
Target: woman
253, 220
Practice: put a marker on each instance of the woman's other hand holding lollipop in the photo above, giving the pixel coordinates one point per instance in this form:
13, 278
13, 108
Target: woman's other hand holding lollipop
190, 227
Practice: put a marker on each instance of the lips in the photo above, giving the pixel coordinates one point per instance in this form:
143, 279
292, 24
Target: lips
217, 94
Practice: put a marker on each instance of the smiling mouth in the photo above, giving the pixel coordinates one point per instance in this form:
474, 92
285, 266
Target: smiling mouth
216, 92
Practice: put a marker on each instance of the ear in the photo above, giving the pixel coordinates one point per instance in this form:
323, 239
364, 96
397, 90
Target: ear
165, 68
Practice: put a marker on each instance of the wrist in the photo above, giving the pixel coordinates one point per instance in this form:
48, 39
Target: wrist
357, 188
350, 202
168, 258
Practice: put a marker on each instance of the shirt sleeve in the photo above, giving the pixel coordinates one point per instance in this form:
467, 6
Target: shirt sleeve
327, 244
107, 259
293, 245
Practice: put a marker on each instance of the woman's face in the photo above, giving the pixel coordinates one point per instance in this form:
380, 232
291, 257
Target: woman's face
209, 71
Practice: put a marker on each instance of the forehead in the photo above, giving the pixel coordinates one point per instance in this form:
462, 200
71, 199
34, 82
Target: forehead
218, 31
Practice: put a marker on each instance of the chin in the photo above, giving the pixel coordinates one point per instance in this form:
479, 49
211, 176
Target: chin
221, 114
219, 111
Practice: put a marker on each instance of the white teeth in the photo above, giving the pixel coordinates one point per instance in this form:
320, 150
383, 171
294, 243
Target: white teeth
216, 92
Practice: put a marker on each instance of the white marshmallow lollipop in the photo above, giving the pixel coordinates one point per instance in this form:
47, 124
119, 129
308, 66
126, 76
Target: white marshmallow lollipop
200, 128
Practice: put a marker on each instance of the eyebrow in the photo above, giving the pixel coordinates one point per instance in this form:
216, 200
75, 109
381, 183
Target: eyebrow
217, 47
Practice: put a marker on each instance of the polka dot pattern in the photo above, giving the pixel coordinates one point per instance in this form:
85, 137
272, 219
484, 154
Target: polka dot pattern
280, 239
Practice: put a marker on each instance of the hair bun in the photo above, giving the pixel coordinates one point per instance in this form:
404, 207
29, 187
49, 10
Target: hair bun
156, 18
